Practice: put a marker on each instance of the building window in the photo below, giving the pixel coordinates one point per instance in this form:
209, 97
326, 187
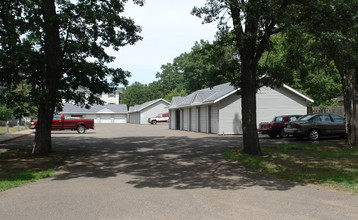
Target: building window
112, 95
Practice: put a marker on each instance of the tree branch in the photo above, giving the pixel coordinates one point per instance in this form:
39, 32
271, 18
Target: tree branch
235, 14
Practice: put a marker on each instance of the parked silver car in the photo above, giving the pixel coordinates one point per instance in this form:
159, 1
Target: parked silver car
314, 126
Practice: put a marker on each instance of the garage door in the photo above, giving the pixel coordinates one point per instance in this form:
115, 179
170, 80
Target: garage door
214, 119
194, 119
172, 119
120, 118
105, 118
203, 119
186, 119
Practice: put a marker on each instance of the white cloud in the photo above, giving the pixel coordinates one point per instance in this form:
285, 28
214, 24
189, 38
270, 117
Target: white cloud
168, 30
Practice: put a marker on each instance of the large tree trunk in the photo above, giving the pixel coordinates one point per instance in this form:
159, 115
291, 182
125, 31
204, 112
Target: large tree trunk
248, 109
42, 143
348, 86
53, 59
246, 46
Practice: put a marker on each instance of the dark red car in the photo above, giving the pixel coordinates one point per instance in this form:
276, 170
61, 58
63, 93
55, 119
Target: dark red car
276, 127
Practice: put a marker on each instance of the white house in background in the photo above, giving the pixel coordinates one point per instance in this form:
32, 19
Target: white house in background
100, 113
218, 110
139, 114
108, 98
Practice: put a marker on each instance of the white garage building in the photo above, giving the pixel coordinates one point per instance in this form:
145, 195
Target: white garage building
113, 113
218, 110
139, 114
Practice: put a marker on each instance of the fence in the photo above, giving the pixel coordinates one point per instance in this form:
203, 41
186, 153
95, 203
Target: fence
332, 109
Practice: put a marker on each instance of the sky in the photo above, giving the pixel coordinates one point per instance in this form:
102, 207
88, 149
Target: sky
168, 30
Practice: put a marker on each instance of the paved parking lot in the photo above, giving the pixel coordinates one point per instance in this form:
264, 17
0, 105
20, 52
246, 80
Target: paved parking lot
124, 171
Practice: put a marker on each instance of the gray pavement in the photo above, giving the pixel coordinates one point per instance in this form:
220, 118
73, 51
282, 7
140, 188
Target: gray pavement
129, 171
12, 136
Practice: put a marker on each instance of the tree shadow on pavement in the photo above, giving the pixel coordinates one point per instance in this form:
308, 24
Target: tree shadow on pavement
160, 162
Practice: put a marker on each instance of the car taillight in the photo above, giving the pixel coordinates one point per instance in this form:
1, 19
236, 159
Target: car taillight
296, 126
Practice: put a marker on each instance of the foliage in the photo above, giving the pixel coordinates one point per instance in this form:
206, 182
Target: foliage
206, 65
335, 27
56, 47
327, 164
139, 93
294, 58
174, 93
253, 23
18, 101
5, 113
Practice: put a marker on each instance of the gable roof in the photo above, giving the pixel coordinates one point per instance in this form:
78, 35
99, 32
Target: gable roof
112, 108
214, 95
137, 108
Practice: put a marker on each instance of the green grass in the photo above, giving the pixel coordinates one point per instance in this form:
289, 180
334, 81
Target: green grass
15, 180
12, 129
324, 164
18, 167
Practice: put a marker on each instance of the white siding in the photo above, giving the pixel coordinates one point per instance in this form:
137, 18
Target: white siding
203, 119
172, 119
194, 119
152, 111
269, 103
230, 115
279, 101
214, 119
186, 119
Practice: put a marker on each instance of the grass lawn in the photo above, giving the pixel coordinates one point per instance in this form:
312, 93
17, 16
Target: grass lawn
12, 129
18, 167
326, 164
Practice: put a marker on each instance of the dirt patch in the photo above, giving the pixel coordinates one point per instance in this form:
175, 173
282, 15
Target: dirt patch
16, 161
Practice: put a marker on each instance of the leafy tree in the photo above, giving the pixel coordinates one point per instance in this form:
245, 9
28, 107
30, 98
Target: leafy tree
335, 27
5, 113
295, 59
206, 65
139, 93
174, 93
18, 100
253, 23
170, 77
58, 46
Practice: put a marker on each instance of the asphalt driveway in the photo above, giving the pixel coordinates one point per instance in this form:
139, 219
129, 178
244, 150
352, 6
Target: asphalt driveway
124, 171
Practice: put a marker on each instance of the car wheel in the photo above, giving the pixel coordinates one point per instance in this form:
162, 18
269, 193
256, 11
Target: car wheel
313, 135
81, 129
154, 122
283, 134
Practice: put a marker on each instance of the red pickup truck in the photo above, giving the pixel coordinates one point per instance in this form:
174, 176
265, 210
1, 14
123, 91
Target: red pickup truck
59, 122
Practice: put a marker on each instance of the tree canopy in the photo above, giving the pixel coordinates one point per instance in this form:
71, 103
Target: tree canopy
57, 47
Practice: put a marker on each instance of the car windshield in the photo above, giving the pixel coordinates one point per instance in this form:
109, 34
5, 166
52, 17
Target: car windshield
305, 118
277, 119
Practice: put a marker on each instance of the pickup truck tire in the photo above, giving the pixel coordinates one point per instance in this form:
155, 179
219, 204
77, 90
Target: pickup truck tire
154, 122
81, 129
